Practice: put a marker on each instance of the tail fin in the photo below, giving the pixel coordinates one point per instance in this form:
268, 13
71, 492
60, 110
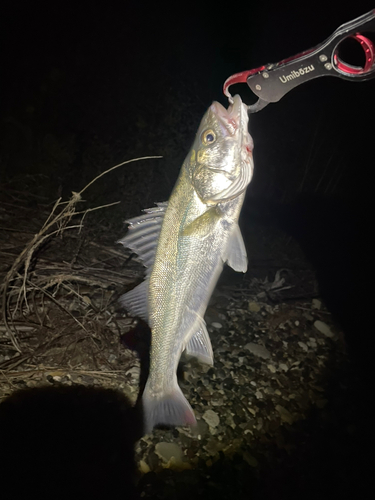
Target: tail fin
170, 409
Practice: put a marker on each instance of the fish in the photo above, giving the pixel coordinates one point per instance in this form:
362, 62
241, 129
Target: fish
184, 244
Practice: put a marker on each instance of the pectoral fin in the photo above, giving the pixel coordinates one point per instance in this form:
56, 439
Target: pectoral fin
203, 225
235, 255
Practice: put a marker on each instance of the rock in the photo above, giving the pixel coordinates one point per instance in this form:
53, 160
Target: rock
252, 461
258, 350
316, 304
303, 346
217, 325
323, 328
312, 342
285, 415
308, 316
212, 418
254, 307
134, 371
213, 447
166, 451
143, 467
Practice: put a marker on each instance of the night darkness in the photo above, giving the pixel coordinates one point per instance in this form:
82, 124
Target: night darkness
85, 86
125, 76
136, 81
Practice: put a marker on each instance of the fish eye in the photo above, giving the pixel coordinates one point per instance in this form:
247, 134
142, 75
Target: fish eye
208, 137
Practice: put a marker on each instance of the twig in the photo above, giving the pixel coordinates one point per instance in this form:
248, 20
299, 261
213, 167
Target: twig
7, 378
116, 166
60, 219
108, 250
62, 371
19, 328
95, 208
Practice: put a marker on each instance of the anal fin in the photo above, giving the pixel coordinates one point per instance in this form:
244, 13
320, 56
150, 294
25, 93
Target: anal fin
199, 345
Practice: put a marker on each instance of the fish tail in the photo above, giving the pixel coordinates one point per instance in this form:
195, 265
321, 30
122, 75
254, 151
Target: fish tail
171, 408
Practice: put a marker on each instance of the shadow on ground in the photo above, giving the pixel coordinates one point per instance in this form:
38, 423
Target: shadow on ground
68, 442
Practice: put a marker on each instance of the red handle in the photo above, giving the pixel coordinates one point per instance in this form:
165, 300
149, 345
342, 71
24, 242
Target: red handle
369, 50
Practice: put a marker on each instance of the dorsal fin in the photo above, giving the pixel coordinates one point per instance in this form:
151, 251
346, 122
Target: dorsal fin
143, 234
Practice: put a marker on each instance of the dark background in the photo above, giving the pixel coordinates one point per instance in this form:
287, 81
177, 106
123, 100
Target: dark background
81, 80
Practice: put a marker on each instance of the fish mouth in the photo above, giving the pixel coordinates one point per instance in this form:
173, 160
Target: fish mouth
232, 118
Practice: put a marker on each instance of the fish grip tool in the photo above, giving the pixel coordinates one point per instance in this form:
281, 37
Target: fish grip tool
271, 82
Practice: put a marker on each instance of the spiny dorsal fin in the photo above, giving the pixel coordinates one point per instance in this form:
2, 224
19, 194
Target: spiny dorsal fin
143, 234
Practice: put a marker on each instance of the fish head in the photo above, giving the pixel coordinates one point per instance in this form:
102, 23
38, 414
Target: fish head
220, 162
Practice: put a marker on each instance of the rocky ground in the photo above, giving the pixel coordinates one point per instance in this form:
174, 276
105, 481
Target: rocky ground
280, 414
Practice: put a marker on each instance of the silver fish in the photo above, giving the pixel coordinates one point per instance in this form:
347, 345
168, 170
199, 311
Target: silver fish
184, 244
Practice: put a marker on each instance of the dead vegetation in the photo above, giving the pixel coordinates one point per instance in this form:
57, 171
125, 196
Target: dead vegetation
58, 294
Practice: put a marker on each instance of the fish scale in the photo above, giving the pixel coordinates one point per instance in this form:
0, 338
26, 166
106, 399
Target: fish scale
184, 244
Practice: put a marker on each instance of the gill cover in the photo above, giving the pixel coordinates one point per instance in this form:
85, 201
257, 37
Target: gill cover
221, 163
